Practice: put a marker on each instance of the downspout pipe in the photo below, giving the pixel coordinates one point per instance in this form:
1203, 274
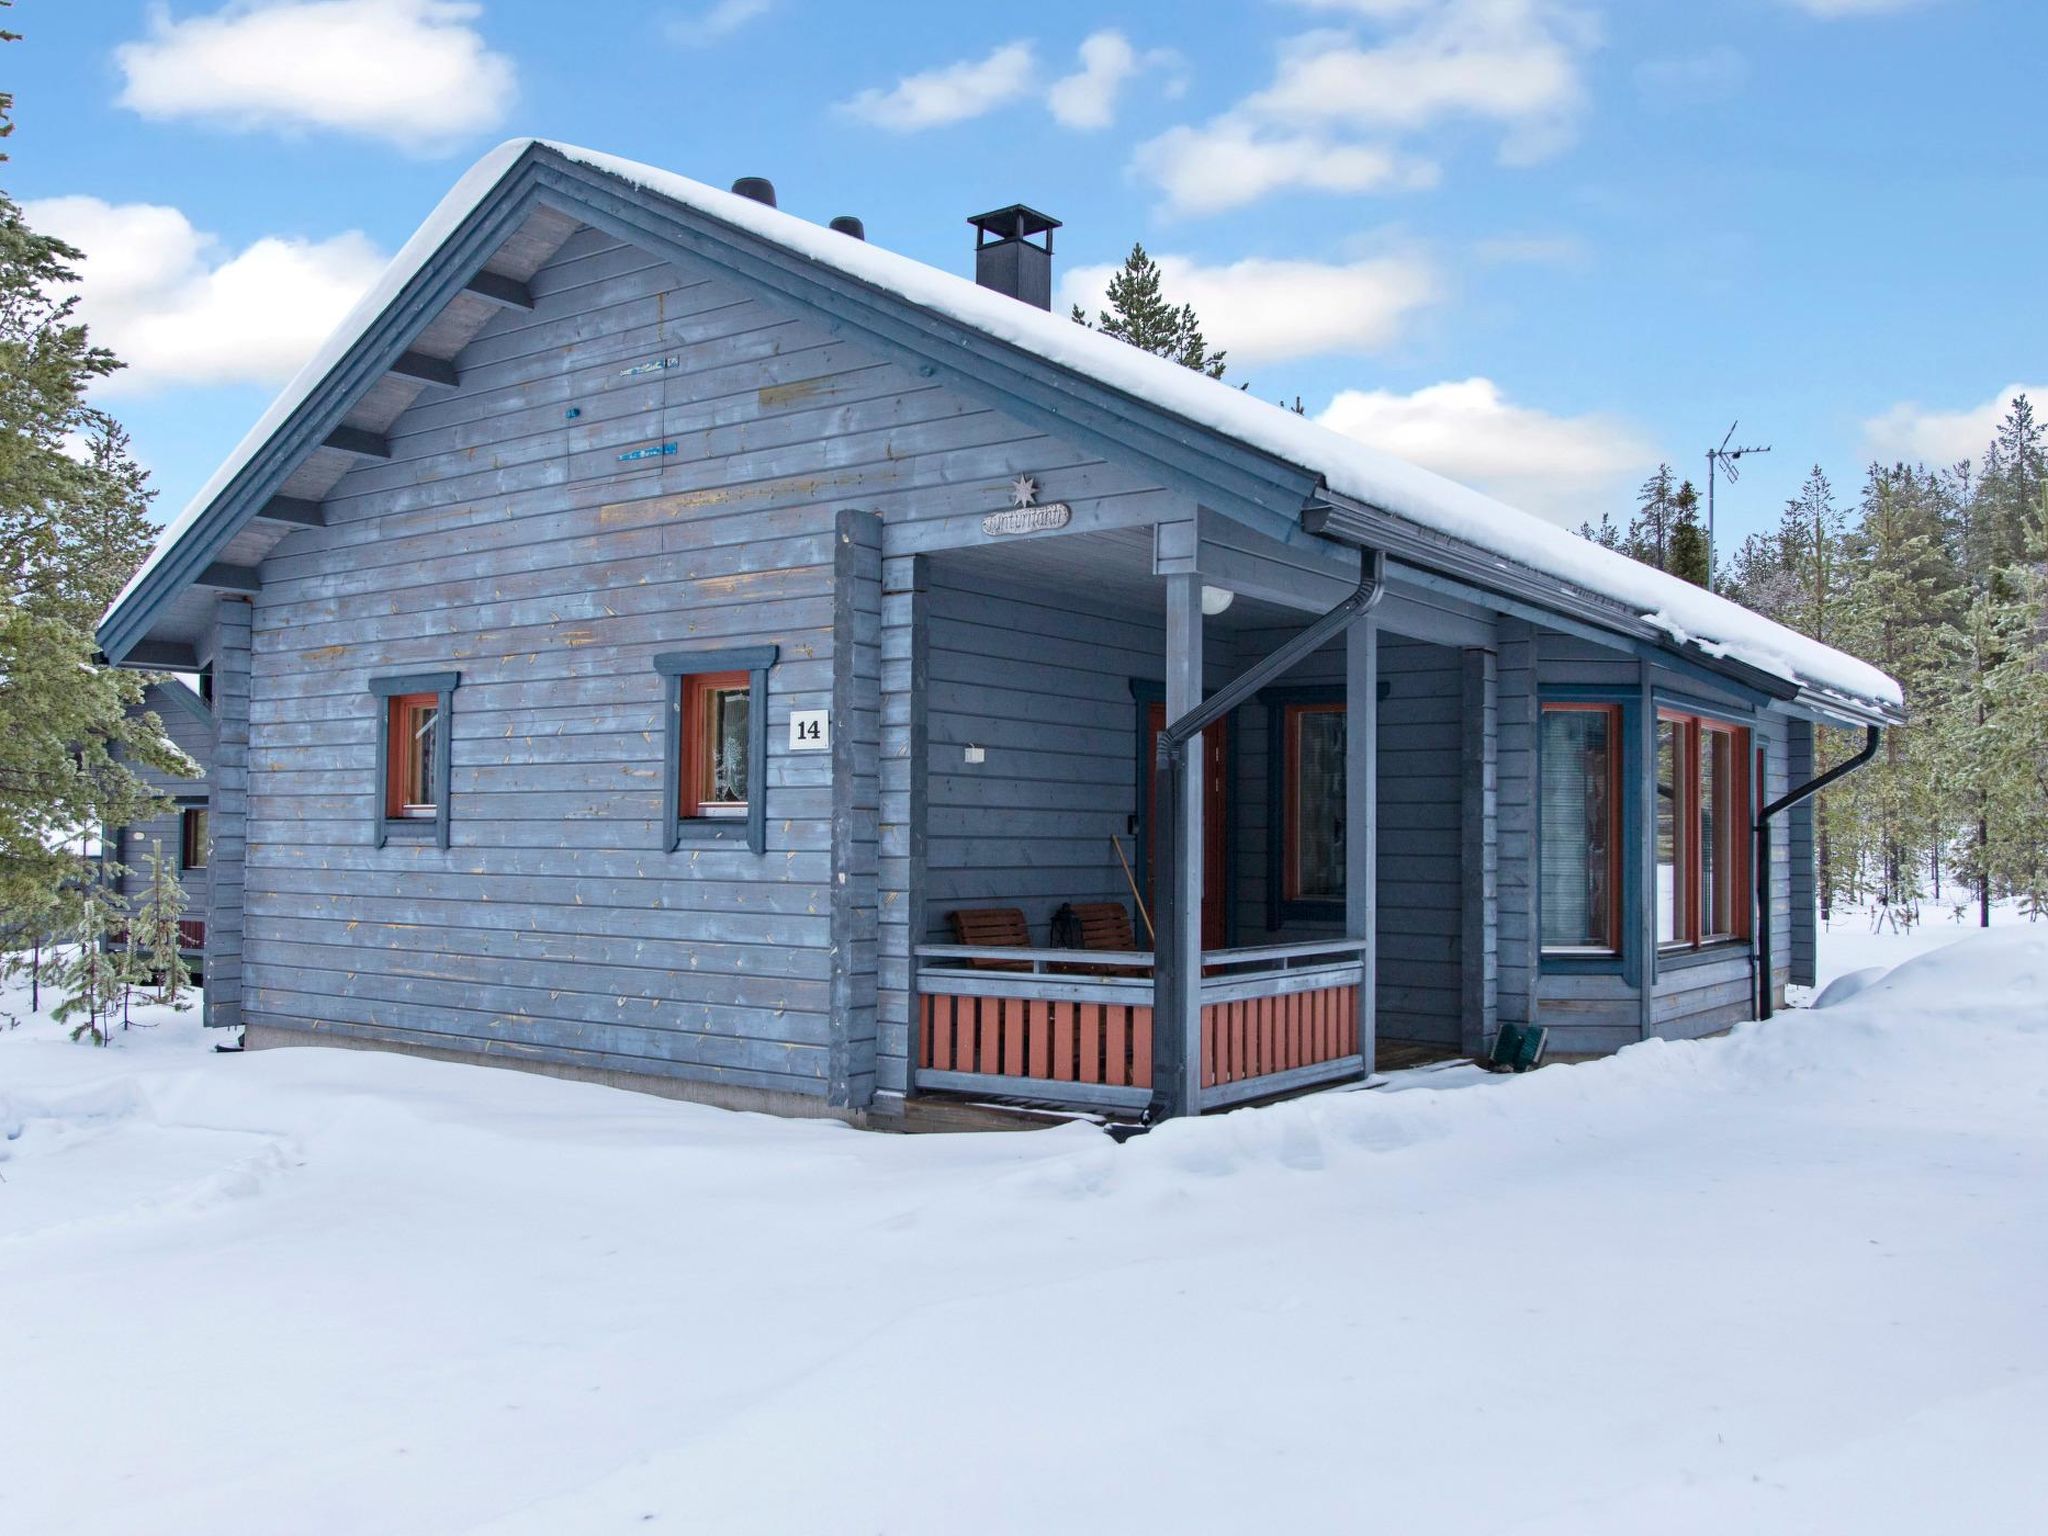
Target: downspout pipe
1173, 971
1871, 737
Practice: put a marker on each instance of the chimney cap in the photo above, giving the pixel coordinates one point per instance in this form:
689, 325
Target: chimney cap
847, 224
759, 188
1016, 222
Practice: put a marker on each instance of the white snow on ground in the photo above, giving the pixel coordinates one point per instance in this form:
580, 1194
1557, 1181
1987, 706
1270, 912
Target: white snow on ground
1786, 1281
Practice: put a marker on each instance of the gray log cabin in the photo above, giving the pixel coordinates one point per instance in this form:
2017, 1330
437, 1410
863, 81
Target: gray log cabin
667, 641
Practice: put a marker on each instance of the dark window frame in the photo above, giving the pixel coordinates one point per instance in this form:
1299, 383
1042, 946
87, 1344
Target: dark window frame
675, 668
1616, 712
188, 817
1281, 703
386, 828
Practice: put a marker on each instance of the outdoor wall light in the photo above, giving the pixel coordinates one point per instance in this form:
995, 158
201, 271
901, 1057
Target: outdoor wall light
1216, 599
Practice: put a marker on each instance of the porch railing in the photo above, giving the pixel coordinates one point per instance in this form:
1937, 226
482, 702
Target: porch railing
1075, 1026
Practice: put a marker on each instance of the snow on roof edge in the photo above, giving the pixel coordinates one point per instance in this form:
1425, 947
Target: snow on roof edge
1346, 466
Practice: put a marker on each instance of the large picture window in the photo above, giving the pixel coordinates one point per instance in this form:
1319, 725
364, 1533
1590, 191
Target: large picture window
1703, 799
1313, 860
1580, 815
411, 802
717, 733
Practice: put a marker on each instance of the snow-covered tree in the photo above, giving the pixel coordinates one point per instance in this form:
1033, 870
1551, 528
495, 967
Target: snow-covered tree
155, 931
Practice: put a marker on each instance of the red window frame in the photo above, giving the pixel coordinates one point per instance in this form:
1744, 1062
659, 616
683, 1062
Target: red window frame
693, 792
1614, 823
1731, 830
409, 788
1290, 860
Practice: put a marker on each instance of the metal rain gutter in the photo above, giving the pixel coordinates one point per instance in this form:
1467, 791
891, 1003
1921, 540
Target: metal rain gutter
1785, 802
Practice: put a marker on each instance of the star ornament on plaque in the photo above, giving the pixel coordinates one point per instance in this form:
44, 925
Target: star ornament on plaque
1028, 514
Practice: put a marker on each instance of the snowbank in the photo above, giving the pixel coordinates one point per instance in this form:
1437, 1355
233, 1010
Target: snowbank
1347, 466
1785, 1281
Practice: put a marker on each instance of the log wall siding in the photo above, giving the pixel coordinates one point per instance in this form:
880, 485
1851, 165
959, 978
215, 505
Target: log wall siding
1515, 763
226, 890
1795, 830
507, 539
900, 923
856, 803
1421, 949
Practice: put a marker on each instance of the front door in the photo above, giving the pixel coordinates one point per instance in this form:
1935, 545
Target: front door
1215, 824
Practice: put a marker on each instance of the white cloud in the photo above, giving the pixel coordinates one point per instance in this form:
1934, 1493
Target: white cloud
717, 23
413, 72
1352, 102
178, 308
1568, 469
951, 94
1087, 98
1912, 432
1266, 311
1230, 161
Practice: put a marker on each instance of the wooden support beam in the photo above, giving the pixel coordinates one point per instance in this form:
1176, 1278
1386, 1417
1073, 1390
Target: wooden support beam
1361, 815
431, 370
1177, 1041
367, 445
161, 656
499, 289
293, 510
230, 578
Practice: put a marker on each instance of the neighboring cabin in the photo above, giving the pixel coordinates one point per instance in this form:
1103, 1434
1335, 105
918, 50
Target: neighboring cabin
181, 834
654, 616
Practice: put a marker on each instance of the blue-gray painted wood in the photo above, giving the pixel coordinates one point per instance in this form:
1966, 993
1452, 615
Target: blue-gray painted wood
1515, 761
228, 806
1362, 782
506, 540
1479, 843
188, 724
1802, 888
856, 806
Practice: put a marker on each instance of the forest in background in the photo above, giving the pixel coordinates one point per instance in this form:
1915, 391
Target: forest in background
1939, 575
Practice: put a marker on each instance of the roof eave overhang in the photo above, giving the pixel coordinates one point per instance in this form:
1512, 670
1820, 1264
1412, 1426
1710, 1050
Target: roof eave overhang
1518, 588
1211, 469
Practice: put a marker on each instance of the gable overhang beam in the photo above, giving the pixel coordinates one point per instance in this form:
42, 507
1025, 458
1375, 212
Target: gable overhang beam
256, 485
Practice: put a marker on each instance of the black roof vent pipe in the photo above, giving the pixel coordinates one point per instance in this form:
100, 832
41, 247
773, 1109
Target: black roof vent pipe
847, 224
1007, 257
759, 188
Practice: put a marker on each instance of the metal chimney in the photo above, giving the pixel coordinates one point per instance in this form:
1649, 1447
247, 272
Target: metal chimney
847, 224
1007, 260
759, 188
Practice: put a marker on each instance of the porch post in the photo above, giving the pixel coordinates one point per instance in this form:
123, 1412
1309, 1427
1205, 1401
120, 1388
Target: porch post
1177, 978
1361, 815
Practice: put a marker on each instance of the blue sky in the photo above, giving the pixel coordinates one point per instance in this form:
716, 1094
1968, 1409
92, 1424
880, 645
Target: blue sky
1539, 244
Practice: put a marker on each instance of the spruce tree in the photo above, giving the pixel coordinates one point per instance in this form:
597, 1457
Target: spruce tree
156, 931
1140, 313
1649, 531
1687, 557
74, 525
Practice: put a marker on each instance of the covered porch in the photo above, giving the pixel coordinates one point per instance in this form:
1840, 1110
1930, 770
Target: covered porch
1335, 894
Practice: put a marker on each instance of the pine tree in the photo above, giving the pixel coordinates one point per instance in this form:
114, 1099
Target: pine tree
1139, 312
2006, 521
93, 980
1608, 535
155, 929
1649, 531
73, 526
1687, 557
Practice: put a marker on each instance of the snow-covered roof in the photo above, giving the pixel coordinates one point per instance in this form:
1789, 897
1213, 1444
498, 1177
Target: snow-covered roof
1349, 468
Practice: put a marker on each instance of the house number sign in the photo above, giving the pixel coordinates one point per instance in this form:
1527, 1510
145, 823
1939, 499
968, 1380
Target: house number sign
810, 730
1027, 516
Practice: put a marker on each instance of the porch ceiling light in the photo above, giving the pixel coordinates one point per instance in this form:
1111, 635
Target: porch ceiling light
1216, 599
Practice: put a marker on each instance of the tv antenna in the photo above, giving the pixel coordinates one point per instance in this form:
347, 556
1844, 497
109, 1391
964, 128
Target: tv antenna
1725, 460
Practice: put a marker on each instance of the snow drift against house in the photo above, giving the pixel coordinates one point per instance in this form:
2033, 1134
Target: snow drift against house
1347, 467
